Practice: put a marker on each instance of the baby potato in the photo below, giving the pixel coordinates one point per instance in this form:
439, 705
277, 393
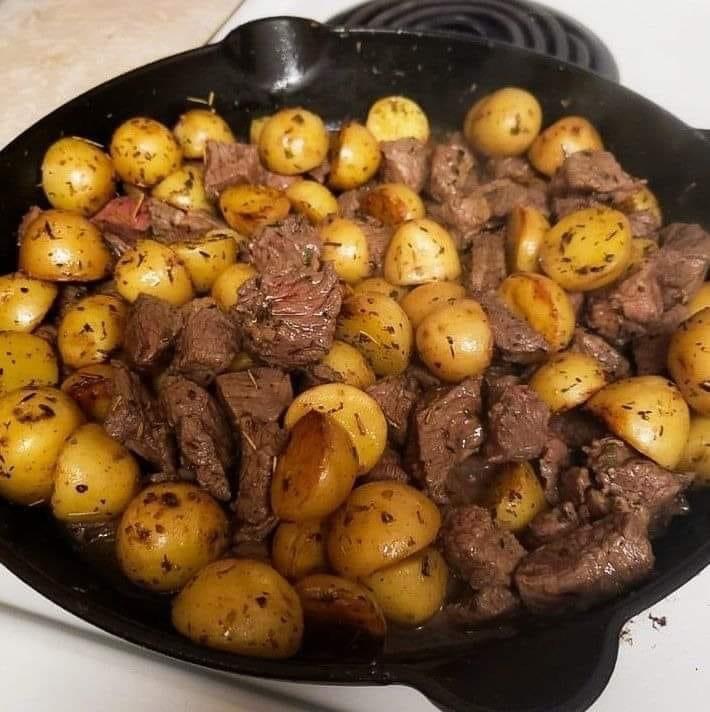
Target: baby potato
378, 327
587, 249
345, 247
516, 496
206, 258
60, 246
567, 380
167, 533
642, 199
563, 138
24, 302
504, 123
455, 341
144, 151
242, 606
393, 203
26, 360
196, 127
184, 188
92, 388
354, 157
77, 175
349, 364
411, 591
91, 330
426, 298
543, 304
649, 413
331, 602
293, 141
36, 422
246, 208
379, 285
313, 200
298, 548
394, 117
95, 477
689, 360
316, 471
379, 524
421, 251
700, 301
357, 412
641, 249
225, 289
153, 268
696, 455
255, 127
524, 235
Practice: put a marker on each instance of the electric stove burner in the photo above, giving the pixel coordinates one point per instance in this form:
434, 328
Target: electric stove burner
523, 24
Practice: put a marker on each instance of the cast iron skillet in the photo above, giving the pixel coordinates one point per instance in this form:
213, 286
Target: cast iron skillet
562, 665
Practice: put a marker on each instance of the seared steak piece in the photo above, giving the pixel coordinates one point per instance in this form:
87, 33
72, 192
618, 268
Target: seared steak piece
378, 238
349, 202
553, 524
591, 564
503, 194
388, 468
576, 427
405, 160
573, 485
466, 214
452, 169
512, 167
554, 458
262, 393
488, 263
396, 395
614, 365
592, 172
488, 605
651, 353
289, 245
124, 217
171, 224
151, 330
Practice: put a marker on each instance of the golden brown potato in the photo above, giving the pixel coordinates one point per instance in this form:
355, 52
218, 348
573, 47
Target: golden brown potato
357, 412
255, 127
504, 123
378, 327
206, 258
642, 199
543, 304
426, 298
421, 251
331, 602
563, 138
168, 533
26, 360
379, 524
24, 302
379, 285
225, 290
410, 592
184, 188
144, 151
293, 141
313, 200
524, 235
516, 496
298, 549
36, 422
345, 247
696, 455
354, 157
689, 360
196, 127
393, 203
241, 606
394, 117
316, 471
95, 477
700, 301
349, 364
60, 246
77, 175
92, 388
649, 413
567, 380
587, 249
247, 208
455, 341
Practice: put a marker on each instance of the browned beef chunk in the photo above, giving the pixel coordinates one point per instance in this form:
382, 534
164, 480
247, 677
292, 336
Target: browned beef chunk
317, 374
517, 426
576, 427
512, 167
289, 245
503, 194
466, 214
262, 393
424, 377
136, 421
378, 238
261, 444
203, 437
124, 217
29, 217
389, 468
208, 341
349, 202
563, 205
405, 160
171, 224
644, 223
489, 605
48, 332
573, 485
483, 553
289, 320
554, 458
591, 564
396, 395
651, 353
615, 366
592, 172
488, 268
607, 452
469, 481
151, 330
553, 524
452, 165
445, 431
682, 262
497, 378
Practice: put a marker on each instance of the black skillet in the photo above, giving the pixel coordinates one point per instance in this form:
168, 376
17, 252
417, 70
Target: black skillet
561, 665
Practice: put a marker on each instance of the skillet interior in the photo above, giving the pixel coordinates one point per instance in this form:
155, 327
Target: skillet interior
269, 63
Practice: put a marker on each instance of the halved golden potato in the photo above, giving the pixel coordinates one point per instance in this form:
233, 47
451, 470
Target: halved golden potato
524, 235
642, 199
689, 360
345, 247
563, 138
312, 199
394, 117
696, 454
225, 290
206, 258
426, 298
246, 208
516, 496
379, 285
349, 364
92, 388
298, 548
393, 203
196, 127
26, 360
24, 302
184, 188
700, 301
354, 157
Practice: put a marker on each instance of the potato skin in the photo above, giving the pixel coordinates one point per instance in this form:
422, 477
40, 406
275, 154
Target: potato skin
95, 477
700, 301
426, 298
206, 258
689, 360
246, 208
184, 188
394, 117
411, 591
26, 360
349, 364
524, 234
225, 289
92, 388
38, 422
354, 157
345, 247
393, 204
379, 285
516, 496
316, 471
563, 138
642, 199
24, 302
242, 606
298, 548
379, 524
649, 413
77, 176
169, 532
313, 200
197, 126
696, 455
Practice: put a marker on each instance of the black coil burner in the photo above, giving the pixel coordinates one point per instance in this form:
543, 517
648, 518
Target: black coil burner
523, 24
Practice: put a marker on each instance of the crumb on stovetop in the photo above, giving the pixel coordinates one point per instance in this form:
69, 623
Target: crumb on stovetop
658, 621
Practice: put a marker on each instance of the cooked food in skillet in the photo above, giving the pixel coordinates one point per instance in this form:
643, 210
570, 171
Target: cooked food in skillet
356, 378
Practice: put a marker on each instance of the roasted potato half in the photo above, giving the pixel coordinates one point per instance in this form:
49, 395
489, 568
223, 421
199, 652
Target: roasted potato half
92, 388
516, 496
196, 127
24, 302
349, 364
379, 285
642, 199
313, 200
345, 247
184, 188
563, 138
26, 360
696, 455
298, 548
246, 208
426, 298
689, 360
354, 157
393, 204
394, 117
206, 258
524, 234
225, 290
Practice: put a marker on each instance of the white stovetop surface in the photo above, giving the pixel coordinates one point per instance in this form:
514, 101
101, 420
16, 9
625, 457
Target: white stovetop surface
51, 660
